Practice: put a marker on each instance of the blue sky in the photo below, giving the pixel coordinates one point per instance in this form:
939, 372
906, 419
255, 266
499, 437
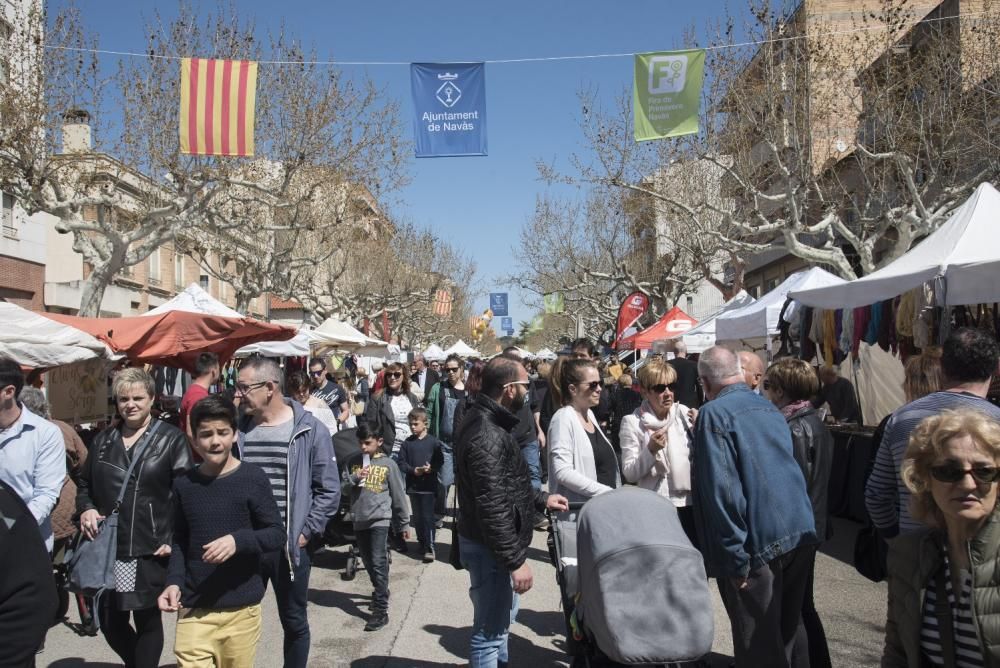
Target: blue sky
479, 203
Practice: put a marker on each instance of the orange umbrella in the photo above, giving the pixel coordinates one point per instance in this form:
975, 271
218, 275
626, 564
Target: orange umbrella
175, 338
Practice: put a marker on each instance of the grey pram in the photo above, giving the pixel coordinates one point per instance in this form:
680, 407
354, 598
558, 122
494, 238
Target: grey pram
635, 585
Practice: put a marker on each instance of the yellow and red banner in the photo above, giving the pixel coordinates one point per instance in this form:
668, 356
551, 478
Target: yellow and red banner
218, 99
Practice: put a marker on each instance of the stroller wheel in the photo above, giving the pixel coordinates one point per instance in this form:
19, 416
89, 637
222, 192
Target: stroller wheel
351, 569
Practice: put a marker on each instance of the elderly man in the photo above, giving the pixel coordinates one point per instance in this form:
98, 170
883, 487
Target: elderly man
296, 453
753, 370
425, 378
754, 518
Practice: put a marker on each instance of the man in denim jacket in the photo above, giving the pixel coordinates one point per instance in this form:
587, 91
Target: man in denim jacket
755, 522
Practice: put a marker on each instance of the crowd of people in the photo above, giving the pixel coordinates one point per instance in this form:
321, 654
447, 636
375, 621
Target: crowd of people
236, 498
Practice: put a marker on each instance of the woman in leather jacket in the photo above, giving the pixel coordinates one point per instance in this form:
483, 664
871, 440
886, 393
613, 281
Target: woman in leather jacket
144, 518
388, 408
790, 384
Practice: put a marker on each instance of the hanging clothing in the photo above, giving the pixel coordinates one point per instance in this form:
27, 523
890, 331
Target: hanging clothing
846, 330
829, 337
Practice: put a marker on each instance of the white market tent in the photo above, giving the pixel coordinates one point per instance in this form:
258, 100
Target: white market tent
337, 335
760, 319
546, 355
195, 300
962, 257
700, 338
32, 340
463, 350
297, 346
434, 353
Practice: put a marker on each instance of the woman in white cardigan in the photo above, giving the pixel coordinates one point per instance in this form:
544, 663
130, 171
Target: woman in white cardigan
582, 462
655, 441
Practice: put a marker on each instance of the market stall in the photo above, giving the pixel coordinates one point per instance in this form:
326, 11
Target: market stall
673, 323
700, 338
463, 350
194, 299
434, 353
37, 342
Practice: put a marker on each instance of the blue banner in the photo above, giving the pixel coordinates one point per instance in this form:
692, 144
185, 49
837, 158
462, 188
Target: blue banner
507, 324
449, 104
498, 303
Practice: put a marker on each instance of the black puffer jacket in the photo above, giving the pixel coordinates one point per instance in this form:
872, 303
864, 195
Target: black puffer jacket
812, 446
496, 501
145, 518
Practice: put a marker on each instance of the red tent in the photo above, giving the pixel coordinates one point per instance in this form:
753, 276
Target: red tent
175, 338
674, 323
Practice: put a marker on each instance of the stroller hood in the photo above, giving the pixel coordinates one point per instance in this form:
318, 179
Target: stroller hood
644, 595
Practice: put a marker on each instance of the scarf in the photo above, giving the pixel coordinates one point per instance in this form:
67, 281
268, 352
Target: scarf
792, 408
677, 452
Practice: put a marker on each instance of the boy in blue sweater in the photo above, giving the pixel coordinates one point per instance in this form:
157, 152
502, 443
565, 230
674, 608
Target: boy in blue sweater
225, 520
420, 459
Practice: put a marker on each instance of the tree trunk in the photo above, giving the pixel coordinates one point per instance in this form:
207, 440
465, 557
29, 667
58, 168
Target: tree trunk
93, 291
243, 300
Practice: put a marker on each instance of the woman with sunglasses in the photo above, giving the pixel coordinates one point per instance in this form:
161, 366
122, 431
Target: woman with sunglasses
389, 408
655, 443
582, 461
944, 581
790, 384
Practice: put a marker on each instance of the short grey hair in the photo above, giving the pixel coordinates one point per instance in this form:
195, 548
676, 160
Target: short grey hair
34, 400
680, 348
130, 376
265, 369
718, 364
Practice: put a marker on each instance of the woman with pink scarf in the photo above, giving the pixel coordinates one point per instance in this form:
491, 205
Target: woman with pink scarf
655, 442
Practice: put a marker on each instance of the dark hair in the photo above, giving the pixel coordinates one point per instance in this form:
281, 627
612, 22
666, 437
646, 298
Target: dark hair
297, 381
317, 360
510, 350
584, 344
204, 363
213, 407
365, 431
571, 373
418, 413
474, 379
404, 389
11, 374
499, 372
454, 358
969, 355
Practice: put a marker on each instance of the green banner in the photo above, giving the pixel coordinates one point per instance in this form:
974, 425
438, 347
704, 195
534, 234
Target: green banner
666, 94
554, 302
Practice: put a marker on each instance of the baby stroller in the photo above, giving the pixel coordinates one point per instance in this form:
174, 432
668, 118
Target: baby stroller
633, 587
340, 528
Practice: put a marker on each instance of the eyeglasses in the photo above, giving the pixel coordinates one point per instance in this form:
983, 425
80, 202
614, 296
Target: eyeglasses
662, 387
592, 385
393, 374
451, 369
316, 374
983, 475
243, 388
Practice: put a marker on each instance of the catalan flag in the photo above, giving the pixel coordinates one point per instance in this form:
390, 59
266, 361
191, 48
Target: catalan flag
217, 106
442, 303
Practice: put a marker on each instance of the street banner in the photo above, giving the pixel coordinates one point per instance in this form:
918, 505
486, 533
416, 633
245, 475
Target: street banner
554, 302
507, 323
385, 327
218, 106
510, 332
629, 313
666, 94
499, 303
449, 104
442, 303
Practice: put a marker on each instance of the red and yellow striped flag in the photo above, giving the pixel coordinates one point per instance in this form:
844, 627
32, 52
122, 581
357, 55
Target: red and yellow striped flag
217, 106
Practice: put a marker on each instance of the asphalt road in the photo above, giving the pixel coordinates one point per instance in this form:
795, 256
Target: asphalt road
430, 615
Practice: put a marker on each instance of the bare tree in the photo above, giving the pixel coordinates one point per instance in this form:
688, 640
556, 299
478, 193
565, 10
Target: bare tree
312, 122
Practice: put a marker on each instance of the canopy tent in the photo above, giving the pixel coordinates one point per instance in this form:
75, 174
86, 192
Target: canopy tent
463, 350
673, 323
702, 337
297, 346
545, 355
195, 300
175, 338
434, 353
962, 257
337, 335
760, 319
36, 342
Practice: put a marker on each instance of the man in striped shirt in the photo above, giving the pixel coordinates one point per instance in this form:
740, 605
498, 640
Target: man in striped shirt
968, 362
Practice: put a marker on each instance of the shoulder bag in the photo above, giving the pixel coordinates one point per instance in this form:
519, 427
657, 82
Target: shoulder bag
91, 563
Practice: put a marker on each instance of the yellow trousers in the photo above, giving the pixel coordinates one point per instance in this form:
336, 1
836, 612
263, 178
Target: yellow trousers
224, 638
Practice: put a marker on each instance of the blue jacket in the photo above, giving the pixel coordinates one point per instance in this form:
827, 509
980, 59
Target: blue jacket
313, 481
749, 494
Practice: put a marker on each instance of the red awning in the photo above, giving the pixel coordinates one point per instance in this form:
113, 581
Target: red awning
674, 323
176, 338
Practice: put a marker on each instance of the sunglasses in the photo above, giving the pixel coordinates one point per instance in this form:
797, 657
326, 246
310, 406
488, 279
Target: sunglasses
451, 369
518, 382
316, 374
983, 475
393, 374
662, 387
592, 385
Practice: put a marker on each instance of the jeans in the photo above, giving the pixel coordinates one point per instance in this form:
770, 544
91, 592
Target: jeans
291, 597
532, 457
422, 505
137, 647
446, 478
812, 625
375, 556
766, 617
494, 605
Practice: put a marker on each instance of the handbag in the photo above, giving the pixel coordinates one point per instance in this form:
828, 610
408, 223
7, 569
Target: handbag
870, 554
91, 563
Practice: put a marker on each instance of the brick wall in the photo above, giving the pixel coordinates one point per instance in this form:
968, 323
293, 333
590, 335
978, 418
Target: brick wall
22, 283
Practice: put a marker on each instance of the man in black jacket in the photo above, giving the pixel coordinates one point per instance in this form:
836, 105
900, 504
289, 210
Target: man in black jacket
496, 507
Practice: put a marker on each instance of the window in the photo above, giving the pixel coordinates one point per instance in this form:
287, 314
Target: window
770, 284
203, 282
7, 215
754, 291
178, 271
154, 267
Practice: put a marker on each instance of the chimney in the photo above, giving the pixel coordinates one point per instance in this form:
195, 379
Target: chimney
76, 131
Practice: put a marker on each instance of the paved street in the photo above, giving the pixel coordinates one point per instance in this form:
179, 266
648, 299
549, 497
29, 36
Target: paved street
430, 615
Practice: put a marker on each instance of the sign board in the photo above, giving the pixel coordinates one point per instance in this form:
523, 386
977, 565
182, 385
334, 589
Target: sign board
449, 106
79, 392
499, 304
507, 323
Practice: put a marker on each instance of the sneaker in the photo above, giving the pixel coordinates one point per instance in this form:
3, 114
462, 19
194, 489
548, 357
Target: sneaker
429, 556
377, 621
